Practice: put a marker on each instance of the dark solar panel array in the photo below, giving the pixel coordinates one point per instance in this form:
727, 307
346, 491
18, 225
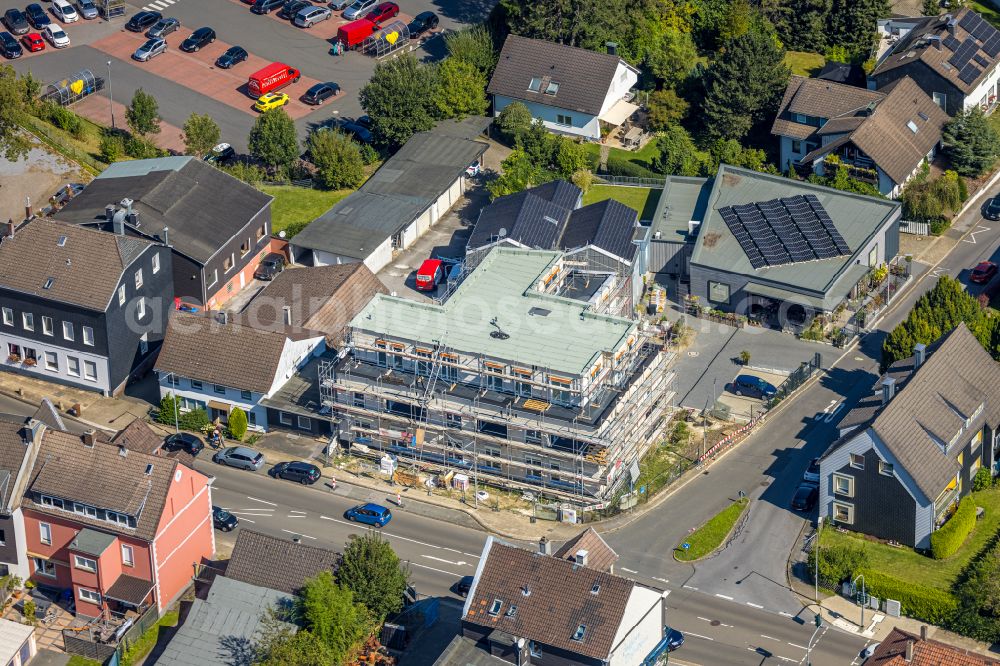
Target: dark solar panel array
992, 45
969, 73
951, 43
970, 21
784, 231
982, 60
964, 53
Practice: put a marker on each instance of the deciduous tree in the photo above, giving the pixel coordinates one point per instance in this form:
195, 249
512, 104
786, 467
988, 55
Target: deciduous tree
514, 121
399, 100
337, 158
273, 139
519, 172
931, 7
665, 108
473, 45
570, 157
459, 90
372, 571
971, 143
331, 612
201, 134
143, 114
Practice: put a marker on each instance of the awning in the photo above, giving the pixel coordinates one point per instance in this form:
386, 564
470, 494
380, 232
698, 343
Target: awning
221, 406
618, 112
129, 590
780, 294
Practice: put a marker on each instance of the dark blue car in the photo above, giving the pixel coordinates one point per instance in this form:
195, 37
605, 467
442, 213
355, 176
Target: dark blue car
675, 639
37, 16
752, 386
369, 514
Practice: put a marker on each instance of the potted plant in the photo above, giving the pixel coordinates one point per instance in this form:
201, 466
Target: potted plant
30, 362
745, 357
14, 358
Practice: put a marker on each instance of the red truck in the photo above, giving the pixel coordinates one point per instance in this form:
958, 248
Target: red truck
352, 34
275, 76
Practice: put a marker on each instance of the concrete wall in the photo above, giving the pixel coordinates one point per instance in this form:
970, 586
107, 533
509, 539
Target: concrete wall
641, 627
582, 124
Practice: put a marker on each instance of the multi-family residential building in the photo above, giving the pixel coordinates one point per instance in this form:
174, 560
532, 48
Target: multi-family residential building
901, 648
79, 306
506, 380
910, 450
20, 440
122, 529
277, 564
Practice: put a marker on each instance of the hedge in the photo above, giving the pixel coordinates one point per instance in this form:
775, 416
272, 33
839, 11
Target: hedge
946, 541
622, 167
918, 602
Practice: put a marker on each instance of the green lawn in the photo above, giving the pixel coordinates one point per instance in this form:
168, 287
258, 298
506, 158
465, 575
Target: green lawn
804, 63
710, 536
77, 660
642, 199
294, 207
987, 11
644, 156
909, 565
143, 645
84, 149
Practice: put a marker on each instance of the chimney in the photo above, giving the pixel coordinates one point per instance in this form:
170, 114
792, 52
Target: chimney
909, 652
109, 213
166, 236
919, 354
10, 228
27, 208
544, 546
923, 632
122, 449
118, 223
612, 48
132, 218
288, 315
581, 557
127, 204
888, 389
222, 317
88, 437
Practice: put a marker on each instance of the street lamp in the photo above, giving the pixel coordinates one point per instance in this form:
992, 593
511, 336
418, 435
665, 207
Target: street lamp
819, 529
111, 99
819, 625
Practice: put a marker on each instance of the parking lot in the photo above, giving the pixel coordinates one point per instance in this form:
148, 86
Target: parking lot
189, 82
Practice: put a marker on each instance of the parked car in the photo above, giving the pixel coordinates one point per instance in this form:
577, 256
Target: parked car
184, 441
233, 56
430, 275
805, 497
143, 21
991, 211
274, 76
33, 42
869, 650
37, 16
811, 475
150, 49
464, 585
473, 169
338, 5
87, 9
382, 12
752, 386
675, 639
64, 11
359, 8
198, 39
369, 514
221, 153
56, 36
270, 266
421, 23
300, 472
266, 6
357, 131
292, 7
16, 21
310, 16
271, 100
321, 92
365, 121
983, 272
9, 46
223, 520
242, 457
163, 27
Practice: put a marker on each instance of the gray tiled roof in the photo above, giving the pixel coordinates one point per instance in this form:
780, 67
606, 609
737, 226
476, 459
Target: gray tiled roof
462, 651
279, 564
91, 542
129, 589
12, 453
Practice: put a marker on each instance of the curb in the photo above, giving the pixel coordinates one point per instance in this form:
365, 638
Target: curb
734, 532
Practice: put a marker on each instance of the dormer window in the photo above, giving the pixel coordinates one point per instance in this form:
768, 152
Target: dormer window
495, 607
552, 88
511, 612
581, 630
535, 85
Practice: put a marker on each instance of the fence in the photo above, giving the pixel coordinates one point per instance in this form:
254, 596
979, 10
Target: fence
915, 228
306, 183
629, 181
796, 379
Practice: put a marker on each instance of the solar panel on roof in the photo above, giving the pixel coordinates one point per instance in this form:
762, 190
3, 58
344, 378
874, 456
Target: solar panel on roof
970, 21
964, 53
951, 43
992, 45
969, 73
981, 60
983, 31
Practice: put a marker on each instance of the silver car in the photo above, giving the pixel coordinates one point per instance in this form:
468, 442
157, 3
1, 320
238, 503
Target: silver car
338, 5
310, 16
87, 8
242, 457
359, 9
152, 47
163, 27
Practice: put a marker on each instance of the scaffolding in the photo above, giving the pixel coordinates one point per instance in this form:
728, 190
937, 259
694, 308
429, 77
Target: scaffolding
73, 88
386, 40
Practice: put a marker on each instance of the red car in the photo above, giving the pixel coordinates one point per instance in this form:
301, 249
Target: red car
383, 11
33, 42
983, 272
430, 274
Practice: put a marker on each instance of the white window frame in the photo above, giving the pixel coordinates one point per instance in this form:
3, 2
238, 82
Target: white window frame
51, 361
138, 278
215, 277
91, 377
857, 460
88, 336
156, 263
72, 366
48, 325
284, 418
84, 563
886, 468
140, 308
121, 295
28, 321
848, 508
68, 332
45, 533
85, 510
46, 565
8, 317
90, 596
838, 478
128, 556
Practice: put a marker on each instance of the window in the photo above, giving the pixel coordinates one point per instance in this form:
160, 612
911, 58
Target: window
535, 84
495, 607
552, 88
88, 336
144, 344
718, 292
47, 327
138, 279
51, 361
215, 277
45, 533
121, 295
128, 558
453, 420
284, 418
564, 120
28, 320
196, 384
843, 485
252, 417
52, 501
189, 404
358, 400
3, 538
219, 389
85, 563
90, 370
245, 395
14, 350
494, 382
73, 366
857, 461
843, 513
535, 649
801, 118
873, 256
8, 317
580, 632
44, 568
245, 248
528, 460
261, 231
68, 331
884, 468
533, 436
84, 510
114, 517
796, 146
156, 264
140, 308
229, 262
90, 595
940, 99
305, 423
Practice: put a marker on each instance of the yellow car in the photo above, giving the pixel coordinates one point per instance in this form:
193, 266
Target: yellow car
270, 101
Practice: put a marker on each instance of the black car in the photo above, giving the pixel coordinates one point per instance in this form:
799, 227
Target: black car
266, 6
421, 23
991, 211
320, 92
270, 266
223, 520
37, 16
675, 639
805, 497
184, 441
9, 46
292, 7
199, 38
16, 21
233, 56
357, 131
464, 585
143, 21
221, 154
302, 472
365, 121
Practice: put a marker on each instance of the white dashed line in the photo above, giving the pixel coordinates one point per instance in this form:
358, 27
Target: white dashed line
704, 618
723, 596
750, 603
770, 638
798, 646
632, 571
255, 499
785, 614
688, 587
304, 536
245, 520
691, 633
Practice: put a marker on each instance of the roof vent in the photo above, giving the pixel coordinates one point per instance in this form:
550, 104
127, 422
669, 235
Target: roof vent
888, 389
595, 589
919, 354
923, 116
499, 333
550, 220
525, 591
61, 242
48, 283
511, 612
149, 469
123, 450
222, 317
544, 546
88, 437
581, 630
127, 203
539, 312
581, 557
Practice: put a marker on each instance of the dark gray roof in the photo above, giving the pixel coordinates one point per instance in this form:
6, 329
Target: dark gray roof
91, 542
840, 72
608, 225
279, 564
524, 218
49, 415
583, 76
202, 206
130, 589
405, 186
12, 453
464, 651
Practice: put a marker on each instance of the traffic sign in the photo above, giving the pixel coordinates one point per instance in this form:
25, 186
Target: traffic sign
685, 545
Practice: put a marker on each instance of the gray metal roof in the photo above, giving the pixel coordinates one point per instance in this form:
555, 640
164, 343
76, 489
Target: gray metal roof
91, 542
684, 199
464, 651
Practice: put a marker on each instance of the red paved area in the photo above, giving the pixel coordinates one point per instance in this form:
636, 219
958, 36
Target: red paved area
96, 109
198, 72
325, 30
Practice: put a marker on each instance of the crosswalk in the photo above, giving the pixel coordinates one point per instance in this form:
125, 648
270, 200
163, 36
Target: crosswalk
158, 5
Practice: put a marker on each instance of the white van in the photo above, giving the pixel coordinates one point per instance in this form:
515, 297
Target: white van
64, 11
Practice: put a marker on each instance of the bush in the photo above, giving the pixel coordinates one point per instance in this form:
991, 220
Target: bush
946, 541
237, 423
112, 147
141, 148
368, 154
939, 226
837, 563
248, 173
618, 166
983, 480
195, 419
978, 614
917, 601
61, 117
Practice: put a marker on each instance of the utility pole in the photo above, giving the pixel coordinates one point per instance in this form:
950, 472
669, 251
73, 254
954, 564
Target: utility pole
111, 99
819, 528
819, 625
864, 597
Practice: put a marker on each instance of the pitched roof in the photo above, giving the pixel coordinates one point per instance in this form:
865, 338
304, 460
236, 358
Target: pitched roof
101, 477
583, 76
600, 555
820, 99
927, 43
138, 436
559, 599
462, 651
49, 415
84, 265
12, 452
278, 564
130, 589
840, 72
201, 347
608, 225
892, 652
203, 207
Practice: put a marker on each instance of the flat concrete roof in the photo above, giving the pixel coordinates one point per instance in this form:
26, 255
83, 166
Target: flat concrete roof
684, 199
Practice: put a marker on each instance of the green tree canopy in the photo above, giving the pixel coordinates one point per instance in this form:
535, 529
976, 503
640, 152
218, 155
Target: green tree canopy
201, 134
372, 571
399, 99
15, 96
273, 139
519, 172
143, 114
678, 154
337, 158
302, 648
330, 612
674, 57
570, 156
971, 143
799, 24
237, 423
459, 89
852, 25
665, 108
931, 7
473, 45
514, 121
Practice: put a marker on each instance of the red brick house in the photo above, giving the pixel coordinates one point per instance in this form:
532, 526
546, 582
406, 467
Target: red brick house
122, 528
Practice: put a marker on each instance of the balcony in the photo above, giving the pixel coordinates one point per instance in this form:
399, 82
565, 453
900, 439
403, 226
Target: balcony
944, 504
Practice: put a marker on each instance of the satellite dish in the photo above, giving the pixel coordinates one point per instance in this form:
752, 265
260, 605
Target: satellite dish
502, 232
281, 234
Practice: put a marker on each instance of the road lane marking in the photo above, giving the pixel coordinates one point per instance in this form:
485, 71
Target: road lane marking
246, 520
662, 580
690, 588
832, 414
798, 646
249, 512
785, 614
255, 499
704, 618
770, 638
691, 633
631, 571
438, 559
394, 536
296, 516
424, 566
471, 555
750, 603
296, 511
723, 596
304, 536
